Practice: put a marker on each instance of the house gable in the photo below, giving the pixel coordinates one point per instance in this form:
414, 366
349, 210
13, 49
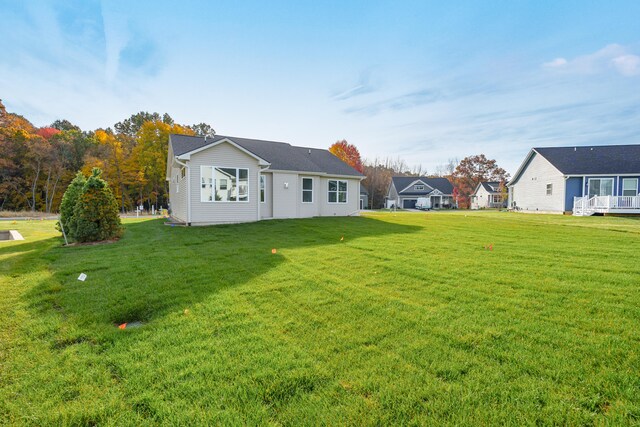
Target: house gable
406, 185
223, 155
538, 186
414, 187
187, 155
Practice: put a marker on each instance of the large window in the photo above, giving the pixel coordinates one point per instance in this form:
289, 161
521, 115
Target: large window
337, 191
263, 185
600, 187
630, 186
224, 184
307, 190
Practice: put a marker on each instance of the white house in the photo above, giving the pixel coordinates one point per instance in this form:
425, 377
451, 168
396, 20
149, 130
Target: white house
224, 179
580, 180
404, 192
487, 195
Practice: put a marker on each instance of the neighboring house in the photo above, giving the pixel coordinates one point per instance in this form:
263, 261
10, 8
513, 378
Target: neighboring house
487, 195
581, 180
404, 192
364, 197
224, 179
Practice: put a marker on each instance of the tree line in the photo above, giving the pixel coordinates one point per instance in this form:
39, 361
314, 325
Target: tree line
37, 164
464, 175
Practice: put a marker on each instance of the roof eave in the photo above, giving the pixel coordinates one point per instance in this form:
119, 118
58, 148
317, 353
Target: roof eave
516, 176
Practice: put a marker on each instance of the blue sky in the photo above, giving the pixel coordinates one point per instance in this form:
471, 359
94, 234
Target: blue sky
426, 81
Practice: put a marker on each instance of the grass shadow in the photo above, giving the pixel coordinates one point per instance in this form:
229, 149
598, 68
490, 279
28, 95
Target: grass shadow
156, 269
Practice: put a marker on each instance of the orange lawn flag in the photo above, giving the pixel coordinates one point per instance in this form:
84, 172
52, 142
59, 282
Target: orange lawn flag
124, 325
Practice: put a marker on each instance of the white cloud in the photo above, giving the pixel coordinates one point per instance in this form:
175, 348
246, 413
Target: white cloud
627, 65
611, 57
556, 63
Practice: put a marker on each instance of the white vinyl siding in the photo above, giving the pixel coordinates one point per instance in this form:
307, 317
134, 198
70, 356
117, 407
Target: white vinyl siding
224, 155
481, 199
285, 195
337, 209
283, 191
178, 195
530, 192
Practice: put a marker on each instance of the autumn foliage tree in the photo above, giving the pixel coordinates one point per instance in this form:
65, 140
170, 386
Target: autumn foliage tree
347, 153
36, 164
150, 156
473, 170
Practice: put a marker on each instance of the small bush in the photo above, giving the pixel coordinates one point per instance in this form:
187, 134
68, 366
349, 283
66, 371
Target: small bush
95, 214
69, 200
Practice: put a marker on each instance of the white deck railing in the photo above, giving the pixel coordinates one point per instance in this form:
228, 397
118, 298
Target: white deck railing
605, 204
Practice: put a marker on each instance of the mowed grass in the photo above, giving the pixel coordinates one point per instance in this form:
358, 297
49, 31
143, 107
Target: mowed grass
408, 321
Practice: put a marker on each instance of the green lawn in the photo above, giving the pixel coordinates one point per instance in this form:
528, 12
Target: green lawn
409, 320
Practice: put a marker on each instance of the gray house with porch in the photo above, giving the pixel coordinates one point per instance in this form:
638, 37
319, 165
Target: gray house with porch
580, 180
404, 192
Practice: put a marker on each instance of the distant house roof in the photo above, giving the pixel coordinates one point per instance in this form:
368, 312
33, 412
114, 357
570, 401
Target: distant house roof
491, 186
591, 160
280, 155
402, 182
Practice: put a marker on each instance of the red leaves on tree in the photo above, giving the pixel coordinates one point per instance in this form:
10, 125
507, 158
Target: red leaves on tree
473, 170
348, 153
47, 133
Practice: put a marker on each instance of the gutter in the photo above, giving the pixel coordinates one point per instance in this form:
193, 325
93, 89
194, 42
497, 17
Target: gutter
323, 174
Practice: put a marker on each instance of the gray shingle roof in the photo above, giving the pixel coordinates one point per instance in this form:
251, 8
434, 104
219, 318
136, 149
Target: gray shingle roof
402, 182
491, 186
595, 160
281, 155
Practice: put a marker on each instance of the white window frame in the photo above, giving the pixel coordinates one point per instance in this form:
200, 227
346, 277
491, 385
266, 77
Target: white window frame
183, 172
338, 181
600, 179
635, 186
307, 191
550, 189
237, 169
263, 189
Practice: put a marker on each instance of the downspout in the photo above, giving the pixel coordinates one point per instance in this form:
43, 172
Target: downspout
186, 165
564, 195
